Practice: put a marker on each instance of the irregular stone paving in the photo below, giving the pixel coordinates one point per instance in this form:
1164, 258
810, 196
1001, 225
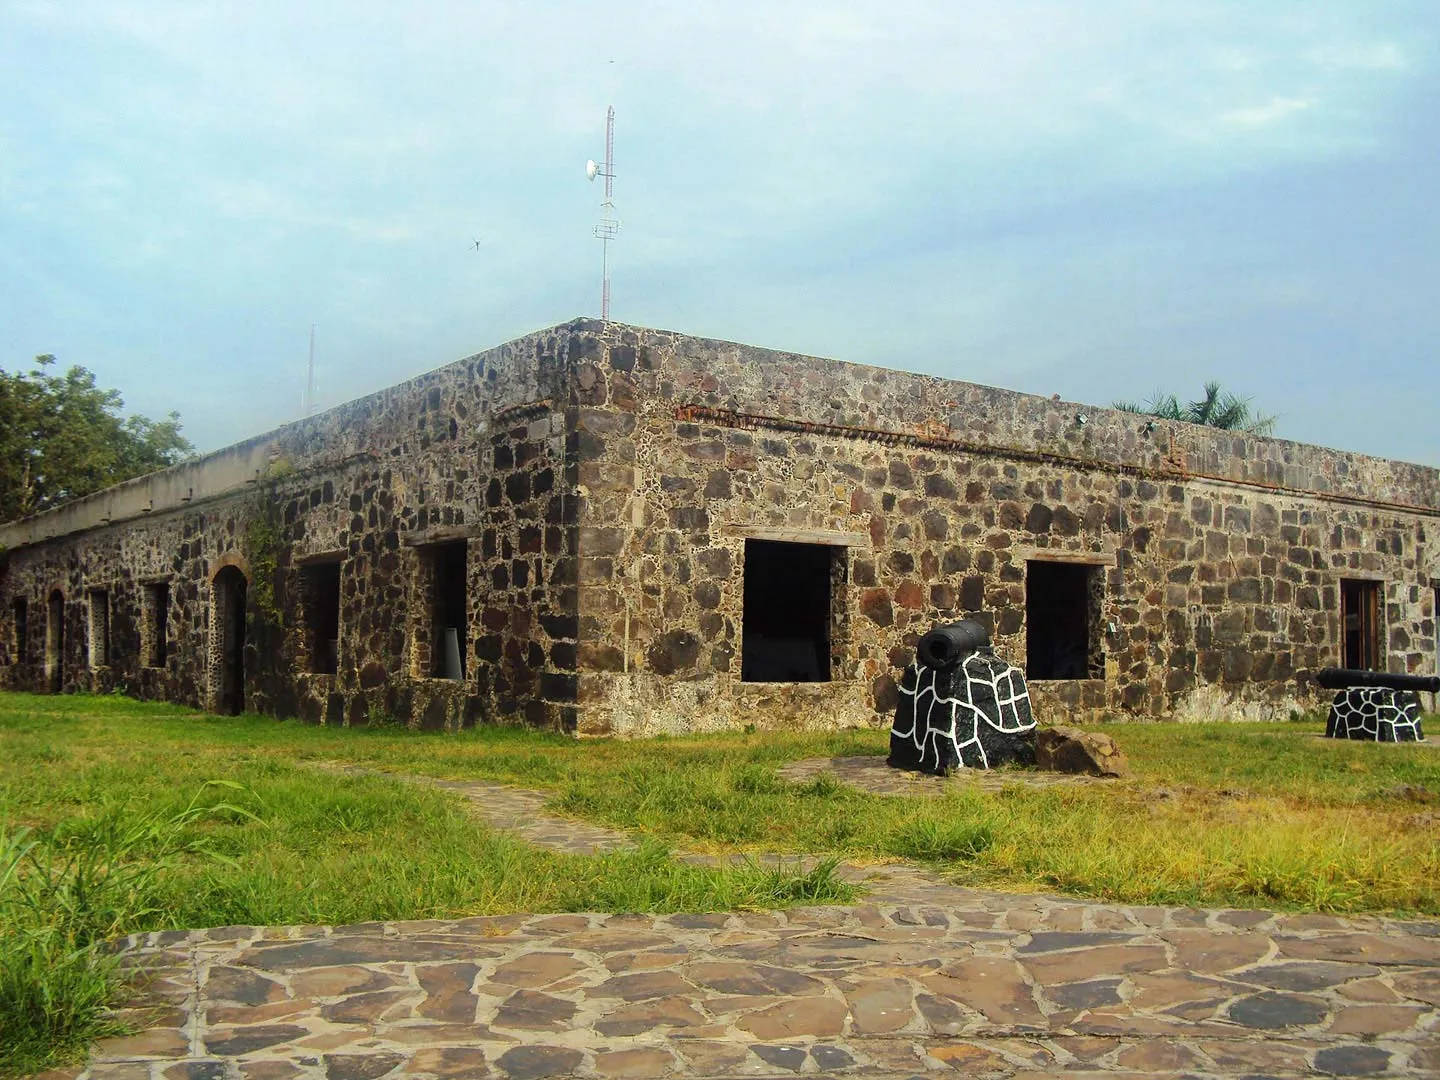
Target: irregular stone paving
922, 979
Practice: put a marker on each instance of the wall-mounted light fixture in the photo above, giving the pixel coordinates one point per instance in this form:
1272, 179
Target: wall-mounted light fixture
1081, 419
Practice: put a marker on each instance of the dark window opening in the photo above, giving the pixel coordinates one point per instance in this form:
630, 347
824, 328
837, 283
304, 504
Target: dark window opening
791, 621
20, 613
229, 592
447, 610
99, 628
1063, 603
1360, 612
156, 630
320, 596
55, 642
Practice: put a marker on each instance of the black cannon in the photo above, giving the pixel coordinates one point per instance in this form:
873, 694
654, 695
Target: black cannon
1339, 678
1375, 706
961, 705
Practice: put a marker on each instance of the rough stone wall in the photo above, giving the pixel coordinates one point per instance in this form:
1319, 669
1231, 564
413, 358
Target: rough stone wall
604, 481
475, 452
1218, 556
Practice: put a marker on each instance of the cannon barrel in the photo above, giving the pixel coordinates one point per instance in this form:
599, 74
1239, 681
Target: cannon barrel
948, 644
1335, 678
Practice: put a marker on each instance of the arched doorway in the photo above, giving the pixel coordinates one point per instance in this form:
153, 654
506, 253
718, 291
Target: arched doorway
55, 643
227, 641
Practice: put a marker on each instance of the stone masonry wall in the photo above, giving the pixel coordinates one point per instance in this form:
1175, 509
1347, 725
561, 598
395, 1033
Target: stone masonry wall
475, 452
1220, 571
604, 481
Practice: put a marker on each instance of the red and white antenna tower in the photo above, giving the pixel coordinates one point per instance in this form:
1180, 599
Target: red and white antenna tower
609, 223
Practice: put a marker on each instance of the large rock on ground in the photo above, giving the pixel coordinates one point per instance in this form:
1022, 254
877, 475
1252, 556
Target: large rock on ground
1070, 750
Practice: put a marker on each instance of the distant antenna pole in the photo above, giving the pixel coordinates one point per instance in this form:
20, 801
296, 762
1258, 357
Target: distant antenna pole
309, 403
609, 223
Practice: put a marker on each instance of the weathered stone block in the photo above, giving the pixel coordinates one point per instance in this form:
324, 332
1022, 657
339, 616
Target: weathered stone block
1070, 750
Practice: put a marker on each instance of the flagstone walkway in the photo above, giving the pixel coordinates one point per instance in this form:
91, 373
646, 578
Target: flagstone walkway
922, 979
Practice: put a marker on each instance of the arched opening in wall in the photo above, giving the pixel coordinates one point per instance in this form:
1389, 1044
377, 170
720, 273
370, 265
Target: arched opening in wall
227, 641
55, 642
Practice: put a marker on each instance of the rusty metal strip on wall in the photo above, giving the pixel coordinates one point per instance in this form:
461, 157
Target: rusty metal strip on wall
751, 421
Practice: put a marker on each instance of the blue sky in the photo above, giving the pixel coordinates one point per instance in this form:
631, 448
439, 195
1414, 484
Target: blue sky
1096, 199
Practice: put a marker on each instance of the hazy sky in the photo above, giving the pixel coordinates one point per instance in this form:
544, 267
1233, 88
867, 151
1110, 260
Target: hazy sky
1096, 198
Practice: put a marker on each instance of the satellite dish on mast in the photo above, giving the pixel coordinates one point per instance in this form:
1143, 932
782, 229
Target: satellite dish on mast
609, 224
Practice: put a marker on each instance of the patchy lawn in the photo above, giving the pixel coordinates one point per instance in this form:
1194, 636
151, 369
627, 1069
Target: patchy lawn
1216, 814
119, 816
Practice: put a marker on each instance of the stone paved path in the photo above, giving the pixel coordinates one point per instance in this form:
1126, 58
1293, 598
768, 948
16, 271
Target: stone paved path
515, 810
922, 979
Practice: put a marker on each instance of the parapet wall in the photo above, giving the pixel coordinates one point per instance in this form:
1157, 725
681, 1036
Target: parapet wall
526, 370
974, 418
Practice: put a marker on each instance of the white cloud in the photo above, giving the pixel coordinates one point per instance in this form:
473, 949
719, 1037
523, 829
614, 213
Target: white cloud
1274, 111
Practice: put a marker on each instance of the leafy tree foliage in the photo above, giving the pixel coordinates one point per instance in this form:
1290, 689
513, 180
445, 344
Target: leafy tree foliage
1218, 408
61, 436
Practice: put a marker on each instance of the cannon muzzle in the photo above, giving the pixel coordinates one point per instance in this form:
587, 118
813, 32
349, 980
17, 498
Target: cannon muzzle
1335, 678
948, 644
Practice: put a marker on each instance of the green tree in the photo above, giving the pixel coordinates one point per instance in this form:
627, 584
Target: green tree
1218, 408
61, 436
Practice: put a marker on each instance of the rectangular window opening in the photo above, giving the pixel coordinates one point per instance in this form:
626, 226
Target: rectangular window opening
99, 628
448, 586
55, 642
20, 620
1063, 606
155, 629
320, 600
793, 619
1361, 611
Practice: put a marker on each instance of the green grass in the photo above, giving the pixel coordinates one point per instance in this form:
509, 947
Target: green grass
111, 821
1224, 814
1216, 814
63, 898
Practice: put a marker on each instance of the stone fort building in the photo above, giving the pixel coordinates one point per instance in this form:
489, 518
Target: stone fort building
604, 528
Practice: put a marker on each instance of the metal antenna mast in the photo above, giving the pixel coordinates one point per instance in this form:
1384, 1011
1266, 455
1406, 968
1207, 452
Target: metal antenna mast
309, 403
609, 223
